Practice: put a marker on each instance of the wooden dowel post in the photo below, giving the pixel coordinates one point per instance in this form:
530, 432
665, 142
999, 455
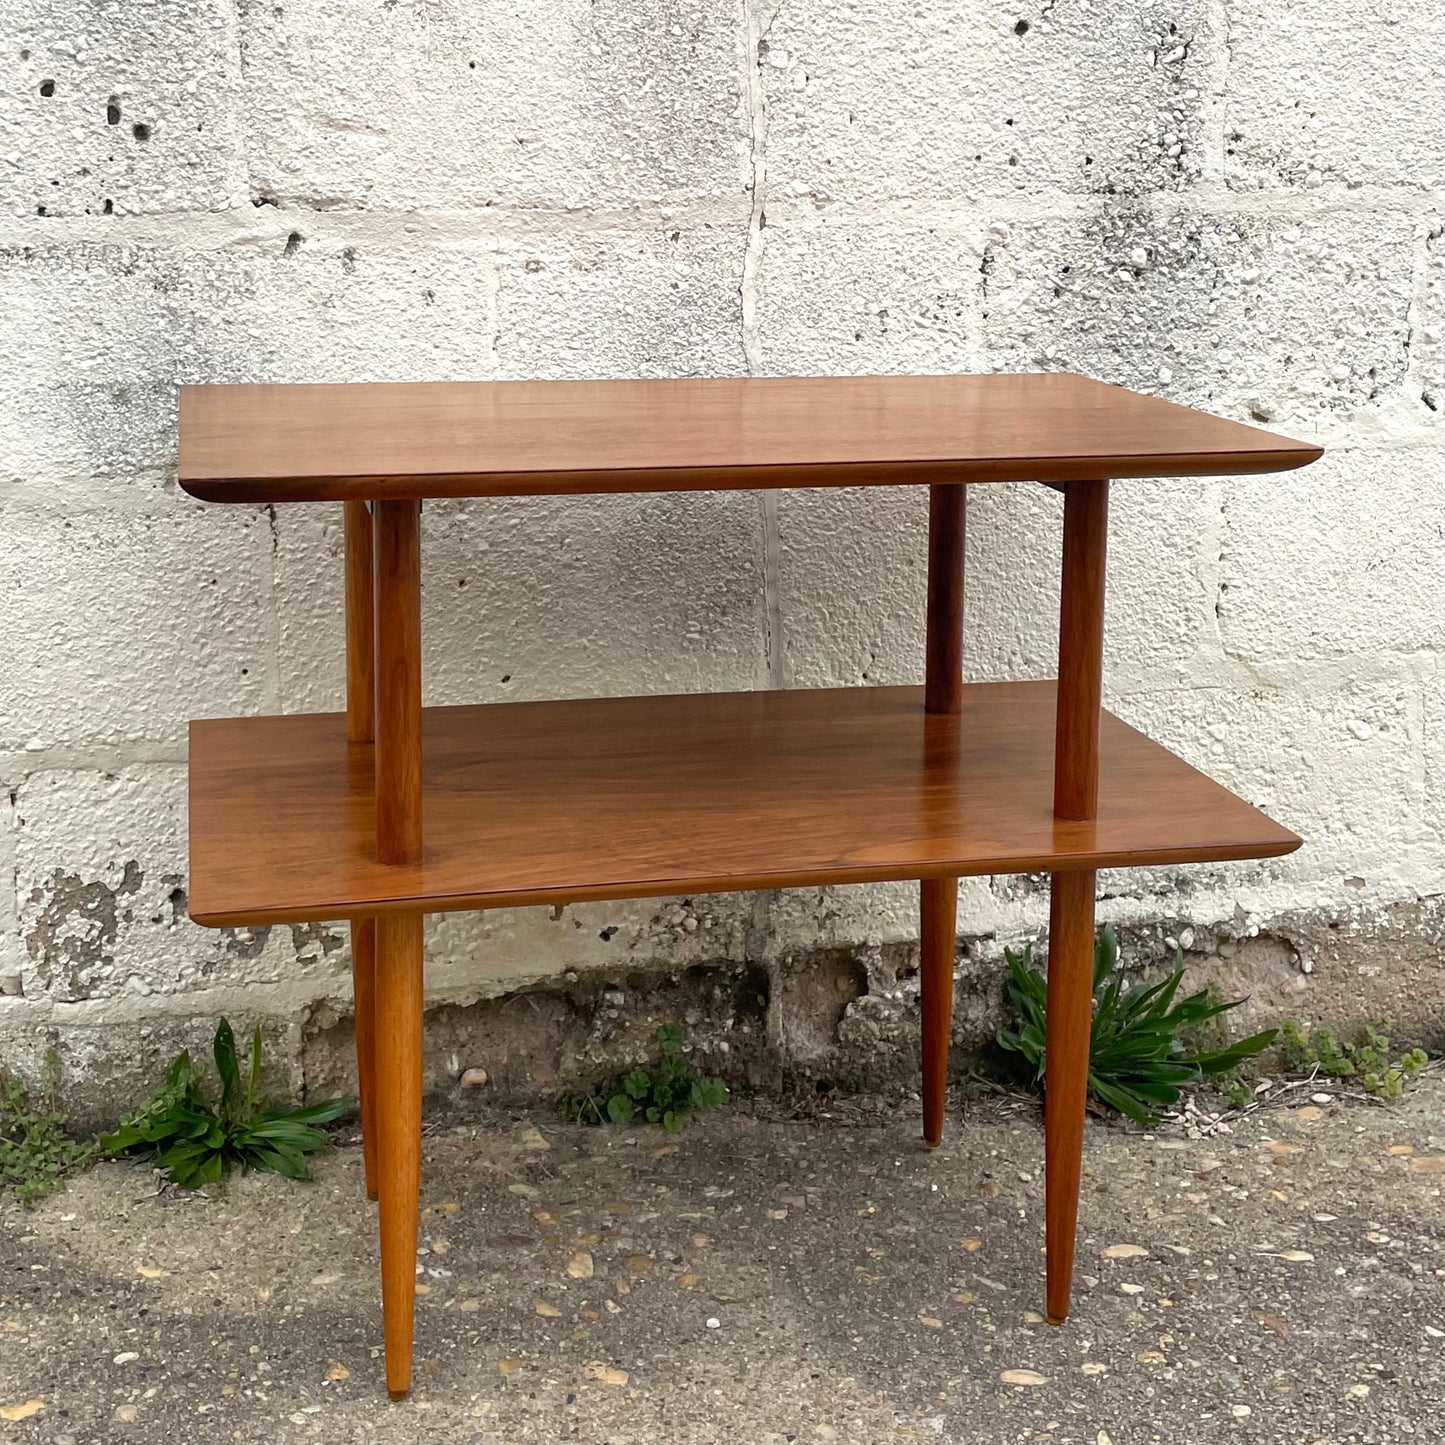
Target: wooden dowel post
360, 730
1081, 650
943, 694
1071, 905
399, 987
360, 626
943, 641
398, 681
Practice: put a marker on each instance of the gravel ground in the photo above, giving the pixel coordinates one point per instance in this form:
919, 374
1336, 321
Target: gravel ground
761, 1280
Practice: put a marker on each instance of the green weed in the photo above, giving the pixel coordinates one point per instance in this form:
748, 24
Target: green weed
36, 1149
667, 1093
1367, 1059
1143, 1046
196, 1144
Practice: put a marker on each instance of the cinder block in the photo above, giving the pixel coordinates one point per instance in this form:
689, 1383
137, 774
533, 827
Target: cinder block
863, 297
1429, 335
108, 107
1159, 623
854, 570
1340, 560
853, 584
807, 920
119, 628
1011, 583
472, 956
1427, 861
656, 302
1331, 94
534, 597
11, 951
555, 103
110, 329
1342, 766
953, 98
853, 564
1158, 598
112, 1058
101, 874
1263, 317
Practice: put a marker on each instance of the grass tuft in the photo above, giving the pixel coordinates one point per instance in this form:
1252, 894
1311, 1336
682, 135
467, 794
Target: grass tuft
1143, 1046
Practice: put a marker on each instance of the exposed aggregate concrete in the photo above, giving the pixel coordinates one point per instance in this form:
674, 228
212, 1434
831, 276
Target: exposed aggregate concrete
768, 1279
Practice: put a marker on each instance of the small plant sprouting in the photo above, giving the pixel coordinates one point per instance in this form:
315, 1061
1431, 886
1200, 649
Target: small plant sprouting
1368, 1059
196, 1144
36, 1151
1140, 1056
667, 1093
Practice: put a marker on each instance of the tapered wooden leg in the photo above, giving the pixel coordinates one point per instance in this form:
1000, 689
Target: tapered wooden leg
1066, 1073
363, 981
398, 1131
938, 910
1071, 905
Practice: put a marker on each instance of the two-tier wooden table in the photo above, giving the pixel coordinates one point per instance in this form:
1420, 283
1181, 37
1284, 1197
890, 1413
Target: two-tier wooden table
390, 811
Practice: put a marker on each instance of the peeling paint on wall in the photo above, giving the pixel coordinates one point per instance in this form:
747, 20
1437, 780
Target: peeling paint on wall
75, 929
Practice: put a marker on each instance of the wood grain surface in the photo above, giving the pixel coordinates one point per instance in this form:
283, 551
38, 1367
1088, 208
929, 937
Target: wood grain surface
552, 802
276, 443
1081, 649
399, 803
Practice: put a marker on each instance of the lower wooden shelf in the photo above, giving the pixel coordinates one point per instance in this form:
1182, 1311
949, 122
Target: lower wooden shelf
557, 802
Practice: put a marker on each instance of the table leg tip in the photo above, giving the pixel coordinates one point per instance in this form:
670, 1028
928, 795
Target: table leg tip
1055, 1319
398, 1394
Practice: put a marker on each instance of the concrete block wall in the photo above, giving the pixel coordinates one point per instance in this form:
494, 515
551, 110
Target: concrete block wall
1201, 198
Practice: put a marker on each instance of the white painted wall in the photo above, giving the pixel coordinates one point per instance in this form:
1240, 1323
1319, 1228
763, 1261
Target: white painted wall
1217, 200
